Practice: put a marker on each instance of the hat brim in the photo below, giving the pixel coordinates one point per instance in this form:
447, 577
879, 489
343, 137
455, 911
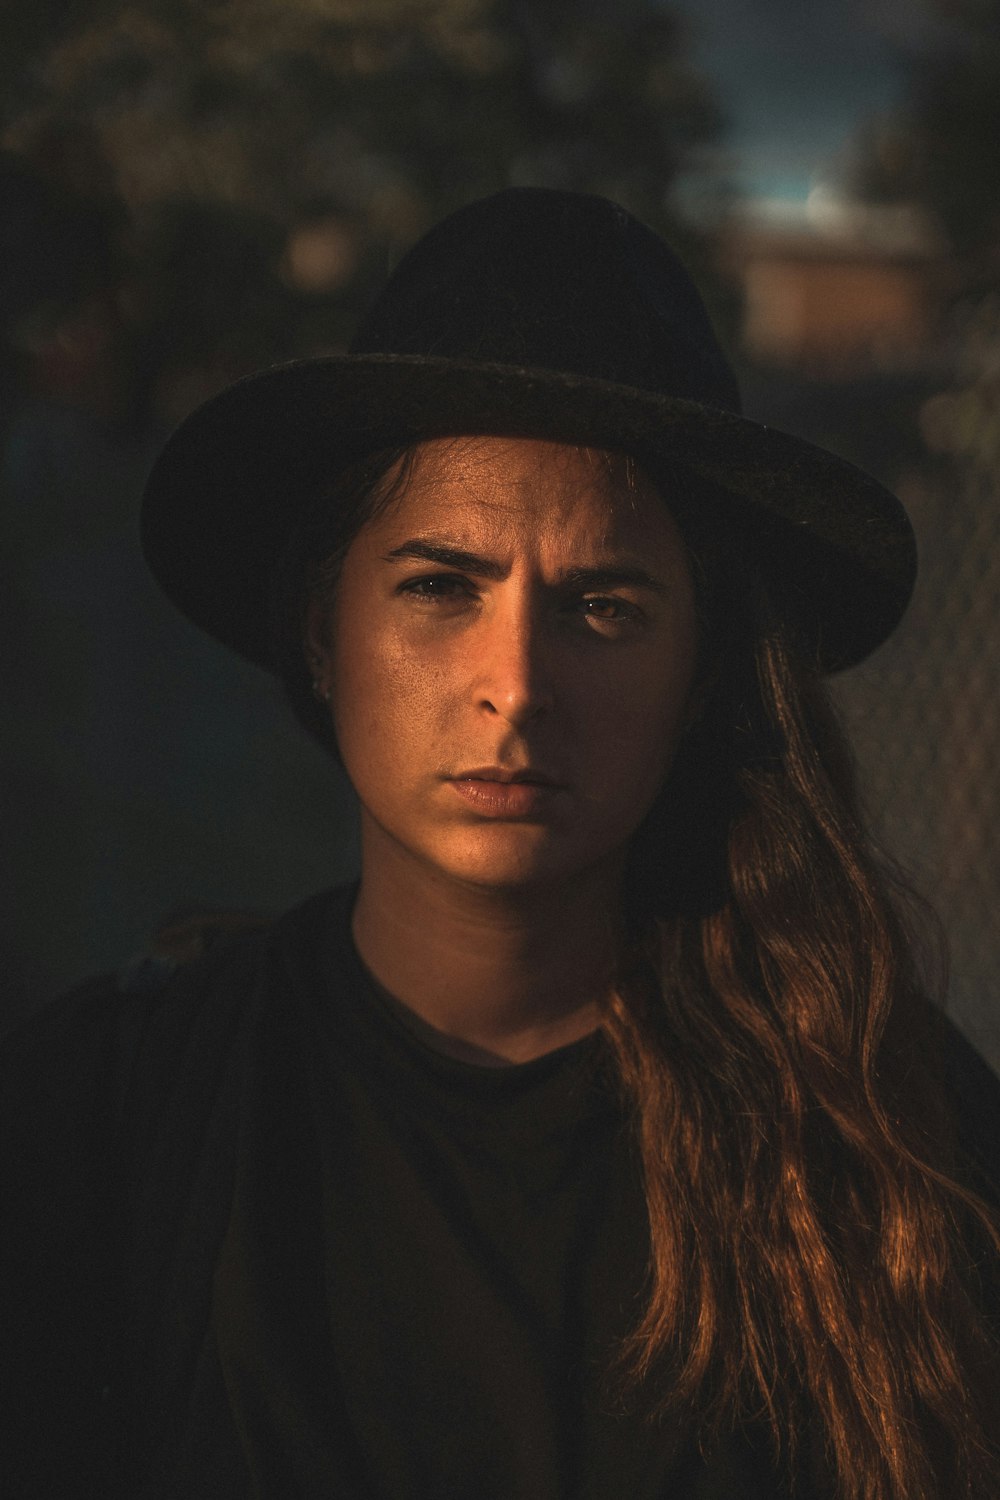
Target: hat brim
234, 479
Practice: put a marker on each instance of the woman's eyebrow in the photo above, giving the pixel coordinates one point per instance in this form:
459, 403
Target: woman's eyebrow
602, 576
612, 575
448, 557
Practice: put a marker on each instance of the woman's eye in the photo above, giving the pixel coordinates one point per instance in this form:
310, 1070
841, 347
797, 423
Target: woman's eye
609, 611
436, 588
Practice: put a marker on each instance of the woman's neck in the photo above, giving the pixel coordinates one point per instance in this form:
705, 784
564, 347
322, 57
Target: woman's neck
500, 976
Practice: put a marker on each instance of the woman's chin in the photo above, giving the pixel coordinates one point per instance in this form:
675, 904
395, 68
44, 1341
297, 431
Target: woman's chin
520, 863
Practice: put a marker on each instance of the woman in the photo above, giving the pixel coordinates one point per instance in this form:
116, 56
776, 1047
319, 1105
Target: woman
601, 1140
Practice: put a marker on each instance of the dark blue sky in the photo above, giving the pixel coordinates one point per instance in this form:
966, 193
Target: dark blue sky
797, 77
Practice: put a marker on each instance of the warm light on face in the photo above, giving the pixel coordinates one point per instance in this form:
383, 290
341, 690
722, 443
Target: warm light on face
511, 653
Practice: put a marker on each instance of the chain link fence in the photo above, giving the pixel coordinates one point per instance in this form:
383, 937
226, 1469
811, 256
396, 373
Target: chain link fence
924, 713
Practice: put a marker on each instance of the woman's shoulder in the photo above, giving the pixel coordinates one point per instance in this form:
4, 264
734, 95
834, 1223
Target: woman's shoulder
81, 1031
116, 1102
67, 1071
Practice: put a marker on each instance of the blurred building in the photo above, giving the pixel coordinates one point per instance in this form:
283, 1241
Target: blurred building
840, 293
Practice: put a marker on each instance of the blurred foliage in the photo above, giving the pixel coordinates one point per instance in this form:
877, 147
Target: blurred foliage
941, 149
965, 420
941, 153
331, 133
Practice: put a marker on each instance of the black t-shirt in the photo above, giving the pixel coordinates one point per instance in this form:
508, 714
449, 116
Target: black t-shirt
265, 1241
488, 1231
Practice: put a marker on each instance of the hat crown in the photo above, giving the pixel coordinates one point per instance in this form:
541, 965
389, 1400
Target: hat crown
533, 314
540, 279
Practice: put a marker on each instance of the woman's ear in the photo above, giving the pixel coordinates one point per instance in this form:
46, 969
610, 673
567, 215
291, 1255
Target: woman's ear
316, 637
316, 649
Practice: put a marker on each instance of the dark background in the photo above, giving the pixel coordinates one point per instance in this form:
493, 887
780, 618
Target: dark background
191, 190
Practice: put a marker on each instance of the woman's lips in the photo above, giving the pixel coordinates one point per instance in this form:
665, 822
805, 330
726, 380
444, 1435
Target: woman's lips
505, 799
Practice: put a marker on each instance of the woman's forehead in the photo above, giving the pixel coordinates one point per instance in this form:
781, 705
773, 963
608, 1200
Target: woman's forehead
522, 460
498, 483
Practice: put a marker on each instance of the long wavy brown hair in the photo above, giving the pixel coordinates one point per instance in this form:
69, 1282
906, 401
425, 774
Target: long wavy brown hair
820, 1262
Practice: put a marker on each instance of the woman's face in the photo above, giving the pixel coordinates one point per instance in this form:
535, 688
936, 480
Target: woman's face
510, 657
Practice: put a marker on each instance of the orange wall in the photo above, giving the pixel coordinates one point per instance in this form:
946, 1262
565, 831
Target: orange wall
835, 312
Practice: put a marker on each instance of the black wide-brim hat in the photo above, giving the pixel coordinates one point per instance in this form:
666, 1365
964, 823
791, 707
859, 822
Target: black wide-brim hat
531, 313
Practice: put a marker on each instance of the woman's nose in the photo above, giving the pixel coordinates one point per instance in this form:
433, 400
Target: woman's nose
514, 680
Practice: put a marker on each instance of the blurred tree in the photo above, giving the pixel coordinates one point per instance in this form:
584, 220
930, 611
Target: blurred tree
348, 126
941, 149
